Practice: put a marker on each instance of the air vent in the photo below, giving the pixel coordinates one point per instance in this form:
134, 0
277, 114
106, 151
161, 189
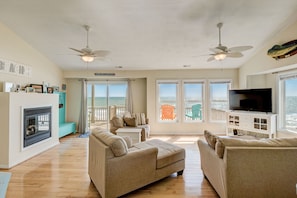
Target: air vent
104, 74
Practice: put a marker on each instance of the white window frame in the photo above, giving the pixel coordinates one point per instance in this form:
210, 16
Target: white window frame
158, 106
203, 82
281, 98
210, 97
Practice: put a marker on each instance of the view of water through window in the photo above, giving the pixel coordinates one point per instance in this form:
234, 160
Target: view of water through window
291, 103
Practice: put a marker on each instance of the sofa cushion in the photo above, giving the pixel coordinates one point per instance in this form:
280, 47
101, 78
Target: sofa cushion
210, 138
223, 142
167, 153
116, 143
117, 122
131, 121
128, 141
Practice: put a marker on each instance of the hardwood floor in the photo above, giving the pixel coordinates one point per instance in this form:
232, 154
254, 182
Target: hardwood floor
62, 172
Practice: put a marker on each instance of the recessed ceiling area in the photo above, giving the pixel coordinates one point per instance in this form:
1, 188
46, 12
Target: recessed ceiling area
146, 35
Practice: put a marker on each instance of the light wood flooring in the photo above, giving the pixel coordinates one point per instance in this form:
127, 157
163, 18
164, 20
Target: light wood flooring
63, 172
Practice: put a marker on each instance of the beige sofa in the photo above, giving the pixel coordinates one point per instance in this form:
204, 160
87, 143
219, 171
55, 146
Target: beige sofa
242, 168
134, 120
116, 167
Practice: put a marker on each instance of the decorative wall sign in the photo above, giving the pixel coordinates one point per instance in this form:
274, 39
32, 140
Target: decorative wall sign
283, 51
10, 67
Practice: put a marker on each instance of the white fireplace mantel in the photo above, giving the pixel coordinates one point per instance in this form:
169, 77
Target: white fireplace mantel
11, 107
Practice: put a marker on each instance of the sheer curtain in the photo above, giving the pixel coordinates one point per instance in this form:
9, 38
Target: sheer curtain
83, 116
129, 100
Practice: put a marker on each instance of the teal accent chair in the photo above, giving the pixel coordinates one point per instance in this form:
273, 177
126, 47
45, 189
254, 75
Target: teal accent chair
196, 112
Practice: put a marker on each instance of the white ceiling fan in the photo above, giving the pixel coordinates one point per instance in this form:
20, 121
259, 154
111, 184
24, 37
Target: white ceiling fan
87, 54
221, 52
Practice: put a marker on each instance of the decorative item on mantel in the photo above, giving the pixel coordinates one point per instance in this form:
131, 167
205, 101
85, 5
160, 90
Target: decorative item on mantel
283, 51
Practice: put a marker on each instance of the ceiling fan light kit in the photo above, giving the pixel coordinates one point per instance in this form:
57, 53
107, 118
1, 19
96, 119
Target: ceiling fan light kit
87, 58
220, 56
221, 52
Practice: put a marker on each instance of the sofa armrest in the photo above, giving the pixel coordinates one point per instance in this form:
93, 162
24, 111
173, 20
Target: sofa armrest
212, 167
131, 171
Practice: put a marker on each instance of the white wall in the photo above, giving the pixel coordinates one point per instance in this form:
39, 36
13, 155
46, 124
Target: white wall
13, 48
144, 95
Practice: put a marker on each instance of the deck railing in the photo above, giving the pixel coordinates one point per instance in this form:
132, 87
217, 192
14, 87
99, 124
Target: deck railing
97, 114
102, 113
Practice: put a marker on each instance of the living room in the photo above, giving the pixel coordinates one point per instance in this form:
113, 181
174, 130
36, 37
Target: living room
259, 71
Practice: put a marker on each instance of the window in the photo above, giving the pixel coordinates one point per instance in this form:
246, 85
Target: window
167, 105
193, 100
180, 100
219, 99
288, 102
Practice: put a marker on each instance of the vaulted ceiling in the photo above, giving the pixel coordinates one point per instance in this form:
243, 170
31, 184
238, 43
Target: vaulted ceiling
146, 34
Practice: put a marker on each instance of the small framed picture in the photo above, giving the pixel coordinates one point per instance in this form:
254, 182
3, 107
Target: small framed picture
63, 87
50, 90
37, 88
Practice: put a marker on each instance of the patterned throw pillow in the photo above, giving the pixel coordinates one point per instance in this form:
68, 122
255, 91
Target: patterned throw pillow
210, 138
131, 121
117, 122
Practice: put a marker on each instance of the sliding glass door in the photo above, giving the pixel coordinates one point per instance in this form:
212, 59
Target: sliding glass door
105, 100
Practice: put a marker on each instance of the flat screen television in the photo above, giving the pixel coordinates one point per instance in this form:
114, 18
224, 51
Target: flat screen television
251, 100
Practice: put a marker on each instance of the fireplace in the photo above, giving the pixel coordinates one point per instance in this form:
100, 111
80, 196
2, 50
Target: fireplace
37, 124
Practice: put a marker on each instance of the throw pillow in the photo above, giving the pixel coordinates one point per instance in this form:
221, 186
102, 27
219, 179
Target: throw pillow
137, 116
128, 141
210, 138
131, 121
117, 122
142, 116
116, 143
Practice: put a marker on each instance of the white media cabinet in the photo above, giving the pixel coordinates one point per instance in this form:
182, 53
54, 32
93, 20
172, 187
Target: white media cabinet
264, 123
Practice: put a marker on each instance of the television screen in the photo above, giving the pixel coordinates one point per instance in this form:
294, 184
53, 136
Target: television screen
251, 100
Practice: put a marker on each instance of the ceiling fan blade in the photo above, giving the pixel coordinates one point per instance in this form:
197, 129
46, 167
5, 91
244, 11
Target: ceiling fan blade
100, 53
210, 59
216, 50
80, 51
234, 55
240, 48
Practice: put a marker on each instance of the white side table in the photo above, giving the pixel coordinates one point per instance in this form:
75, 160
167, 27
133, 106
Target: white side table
133, 133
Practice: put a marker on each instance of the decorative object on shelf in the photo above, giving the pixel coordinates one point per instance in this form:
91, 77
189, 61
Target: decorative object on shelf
63, 87
7, 86
50, 90
11, 67
37, 87
29, 89
55, 89
283, 51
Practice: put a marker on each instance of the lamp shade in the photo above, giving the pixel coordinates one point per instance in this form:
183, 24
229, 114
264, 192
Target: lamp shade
87, 58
